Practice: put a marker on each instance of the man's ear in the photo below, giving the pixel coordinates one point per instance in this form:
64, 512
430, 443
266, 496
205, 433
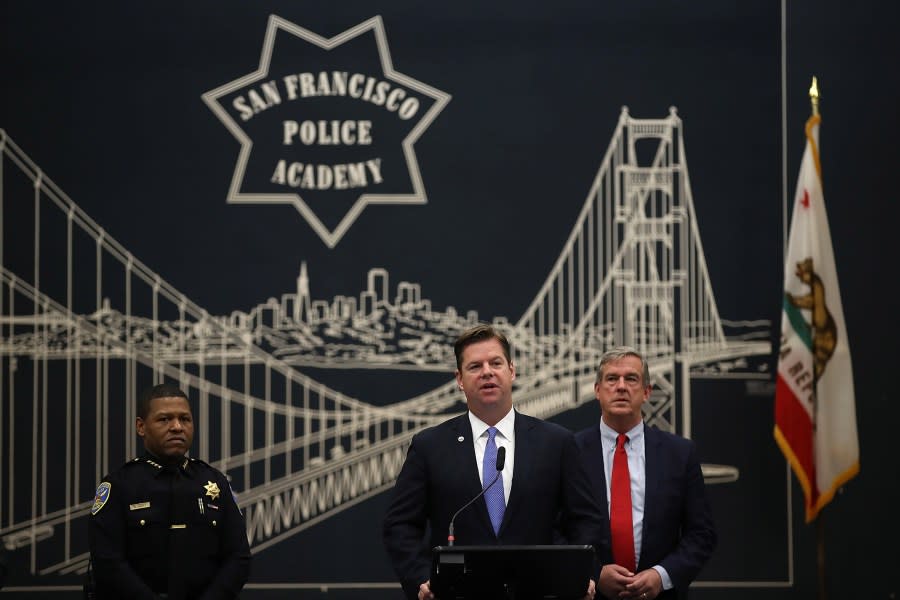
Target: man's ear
139, 426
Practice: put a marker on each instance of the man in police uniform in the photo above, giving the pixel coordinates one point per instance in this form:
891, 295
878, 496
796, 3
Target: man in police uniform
165, 525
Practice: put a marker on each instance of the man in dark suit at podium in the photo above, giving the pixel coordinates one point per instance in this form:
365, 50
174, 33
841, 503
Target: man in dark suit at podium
660, 524
542, 479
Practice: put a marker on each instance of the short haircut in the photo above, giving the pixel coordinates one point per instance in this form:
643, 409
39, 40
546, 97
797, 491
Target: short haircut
479, 333
618, 353
160, 390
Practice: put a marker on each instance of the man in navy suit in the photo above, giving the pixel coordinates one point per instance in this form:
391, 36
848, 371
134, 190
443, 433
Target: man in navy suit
543, 481
672, 527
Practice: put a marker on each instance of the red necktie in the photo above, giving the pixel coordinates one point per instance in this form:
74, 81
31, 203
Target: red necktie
620, 508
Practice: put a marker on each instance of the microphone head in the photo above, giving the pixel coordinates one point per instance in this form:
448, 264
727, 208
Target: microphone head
501, 457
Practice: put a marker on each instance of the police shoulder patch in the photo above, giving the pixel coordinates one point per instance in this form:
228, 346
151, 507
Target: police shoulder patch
101, 497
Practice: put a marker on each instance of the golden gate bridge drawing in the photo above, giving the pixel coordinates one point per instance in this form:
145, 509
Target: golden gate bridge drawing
84, 325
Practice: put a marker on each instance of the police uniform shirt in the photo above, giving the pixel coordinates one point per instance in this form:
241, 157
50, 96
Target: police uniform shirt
173, 530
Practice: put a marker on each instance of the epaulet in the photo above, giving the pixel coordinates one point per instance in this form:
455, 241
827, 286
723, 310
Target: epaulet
202, 465
144, 460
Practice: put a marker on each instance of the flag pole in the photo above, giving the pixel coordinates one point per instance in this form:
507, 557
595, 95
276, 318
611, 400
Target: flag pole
814, 96
820, 518
820, 554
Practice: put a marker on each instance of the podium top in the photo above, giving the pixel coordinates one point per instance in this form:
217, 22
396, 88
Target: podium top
512, 572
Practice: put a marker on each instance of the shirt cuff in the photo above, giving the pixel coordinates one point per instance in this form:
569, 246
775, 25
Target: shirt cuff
664, 575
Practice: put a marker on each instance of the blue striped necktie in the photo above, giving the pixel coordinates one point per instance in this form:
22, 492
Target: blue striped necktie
493, 497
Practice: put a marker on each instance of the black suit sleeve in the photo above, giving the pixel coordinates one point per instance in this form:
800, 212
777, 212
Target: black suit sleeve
698, 534
405, 523
581, 519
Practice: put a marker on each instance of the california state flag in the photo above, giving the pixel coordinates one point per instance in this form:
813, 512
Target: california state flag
815, 409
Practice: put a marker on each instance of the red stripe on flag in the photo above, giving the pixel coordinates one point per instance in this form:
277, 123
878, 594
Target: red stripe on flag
796, 428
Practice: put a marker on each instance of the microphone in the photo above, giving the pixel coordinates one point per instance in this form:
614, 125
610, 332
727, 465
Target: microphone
501, 460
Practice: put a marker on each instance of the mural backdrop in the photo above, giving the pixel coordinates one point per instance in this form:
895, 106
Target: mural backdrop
293, 208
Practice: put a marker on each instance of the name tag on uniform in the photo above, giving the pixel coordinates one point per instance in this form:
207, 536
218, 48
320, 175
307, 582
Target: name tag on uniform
139, 506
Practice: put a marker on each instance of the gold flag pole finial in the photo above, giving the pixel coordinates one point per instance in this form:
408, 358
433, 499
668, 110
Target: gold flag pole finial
814, 96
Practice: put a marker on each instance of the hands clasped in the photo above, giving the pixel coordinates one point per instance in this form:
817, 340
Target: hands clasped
619, 582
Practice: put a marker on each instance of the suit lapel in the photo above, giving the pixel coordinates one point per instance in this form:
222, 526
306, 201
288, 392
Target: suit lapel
525, 457
594, 459
463, 456
651, 473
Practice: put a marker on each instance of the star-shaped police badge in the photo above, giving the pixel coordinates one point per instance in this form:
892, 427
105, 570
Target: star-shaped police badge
212, 489
326, 125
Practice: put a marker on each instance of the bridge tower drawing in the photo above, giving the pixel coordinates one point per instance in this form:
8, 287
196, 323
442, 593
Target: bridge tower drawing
84, 325
633, 273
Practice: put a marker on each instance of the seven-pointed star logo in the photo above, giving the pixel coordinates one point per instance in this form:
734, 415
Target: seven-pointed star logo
212, 489
326, 125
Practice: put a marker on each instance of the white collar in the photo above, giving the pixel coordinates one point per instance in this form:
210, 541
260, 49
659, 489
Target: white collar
609, 434
506, 426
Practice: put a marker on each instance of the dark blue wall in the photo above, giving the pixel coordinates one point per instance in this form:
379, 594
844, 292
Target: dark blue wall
106, 99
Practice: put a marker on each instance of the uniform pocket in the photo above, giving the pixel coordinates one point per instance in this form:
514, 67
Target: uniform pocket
146, 533
205, 532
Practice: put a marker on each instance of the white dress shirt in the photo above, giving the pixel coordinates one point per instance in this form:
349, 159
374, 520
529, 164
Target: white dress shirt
505, 437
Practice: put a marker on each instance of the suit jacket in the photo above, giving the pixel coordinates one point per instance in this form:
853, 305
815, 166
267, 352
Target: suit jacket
678, 532
440, 475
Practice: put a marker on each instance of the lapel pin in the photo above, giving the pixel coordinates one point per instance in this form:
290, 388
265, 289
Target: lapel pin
460, 439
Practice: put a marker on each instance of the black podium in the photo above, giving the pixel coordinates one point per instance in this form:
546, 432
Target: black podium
511, 572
